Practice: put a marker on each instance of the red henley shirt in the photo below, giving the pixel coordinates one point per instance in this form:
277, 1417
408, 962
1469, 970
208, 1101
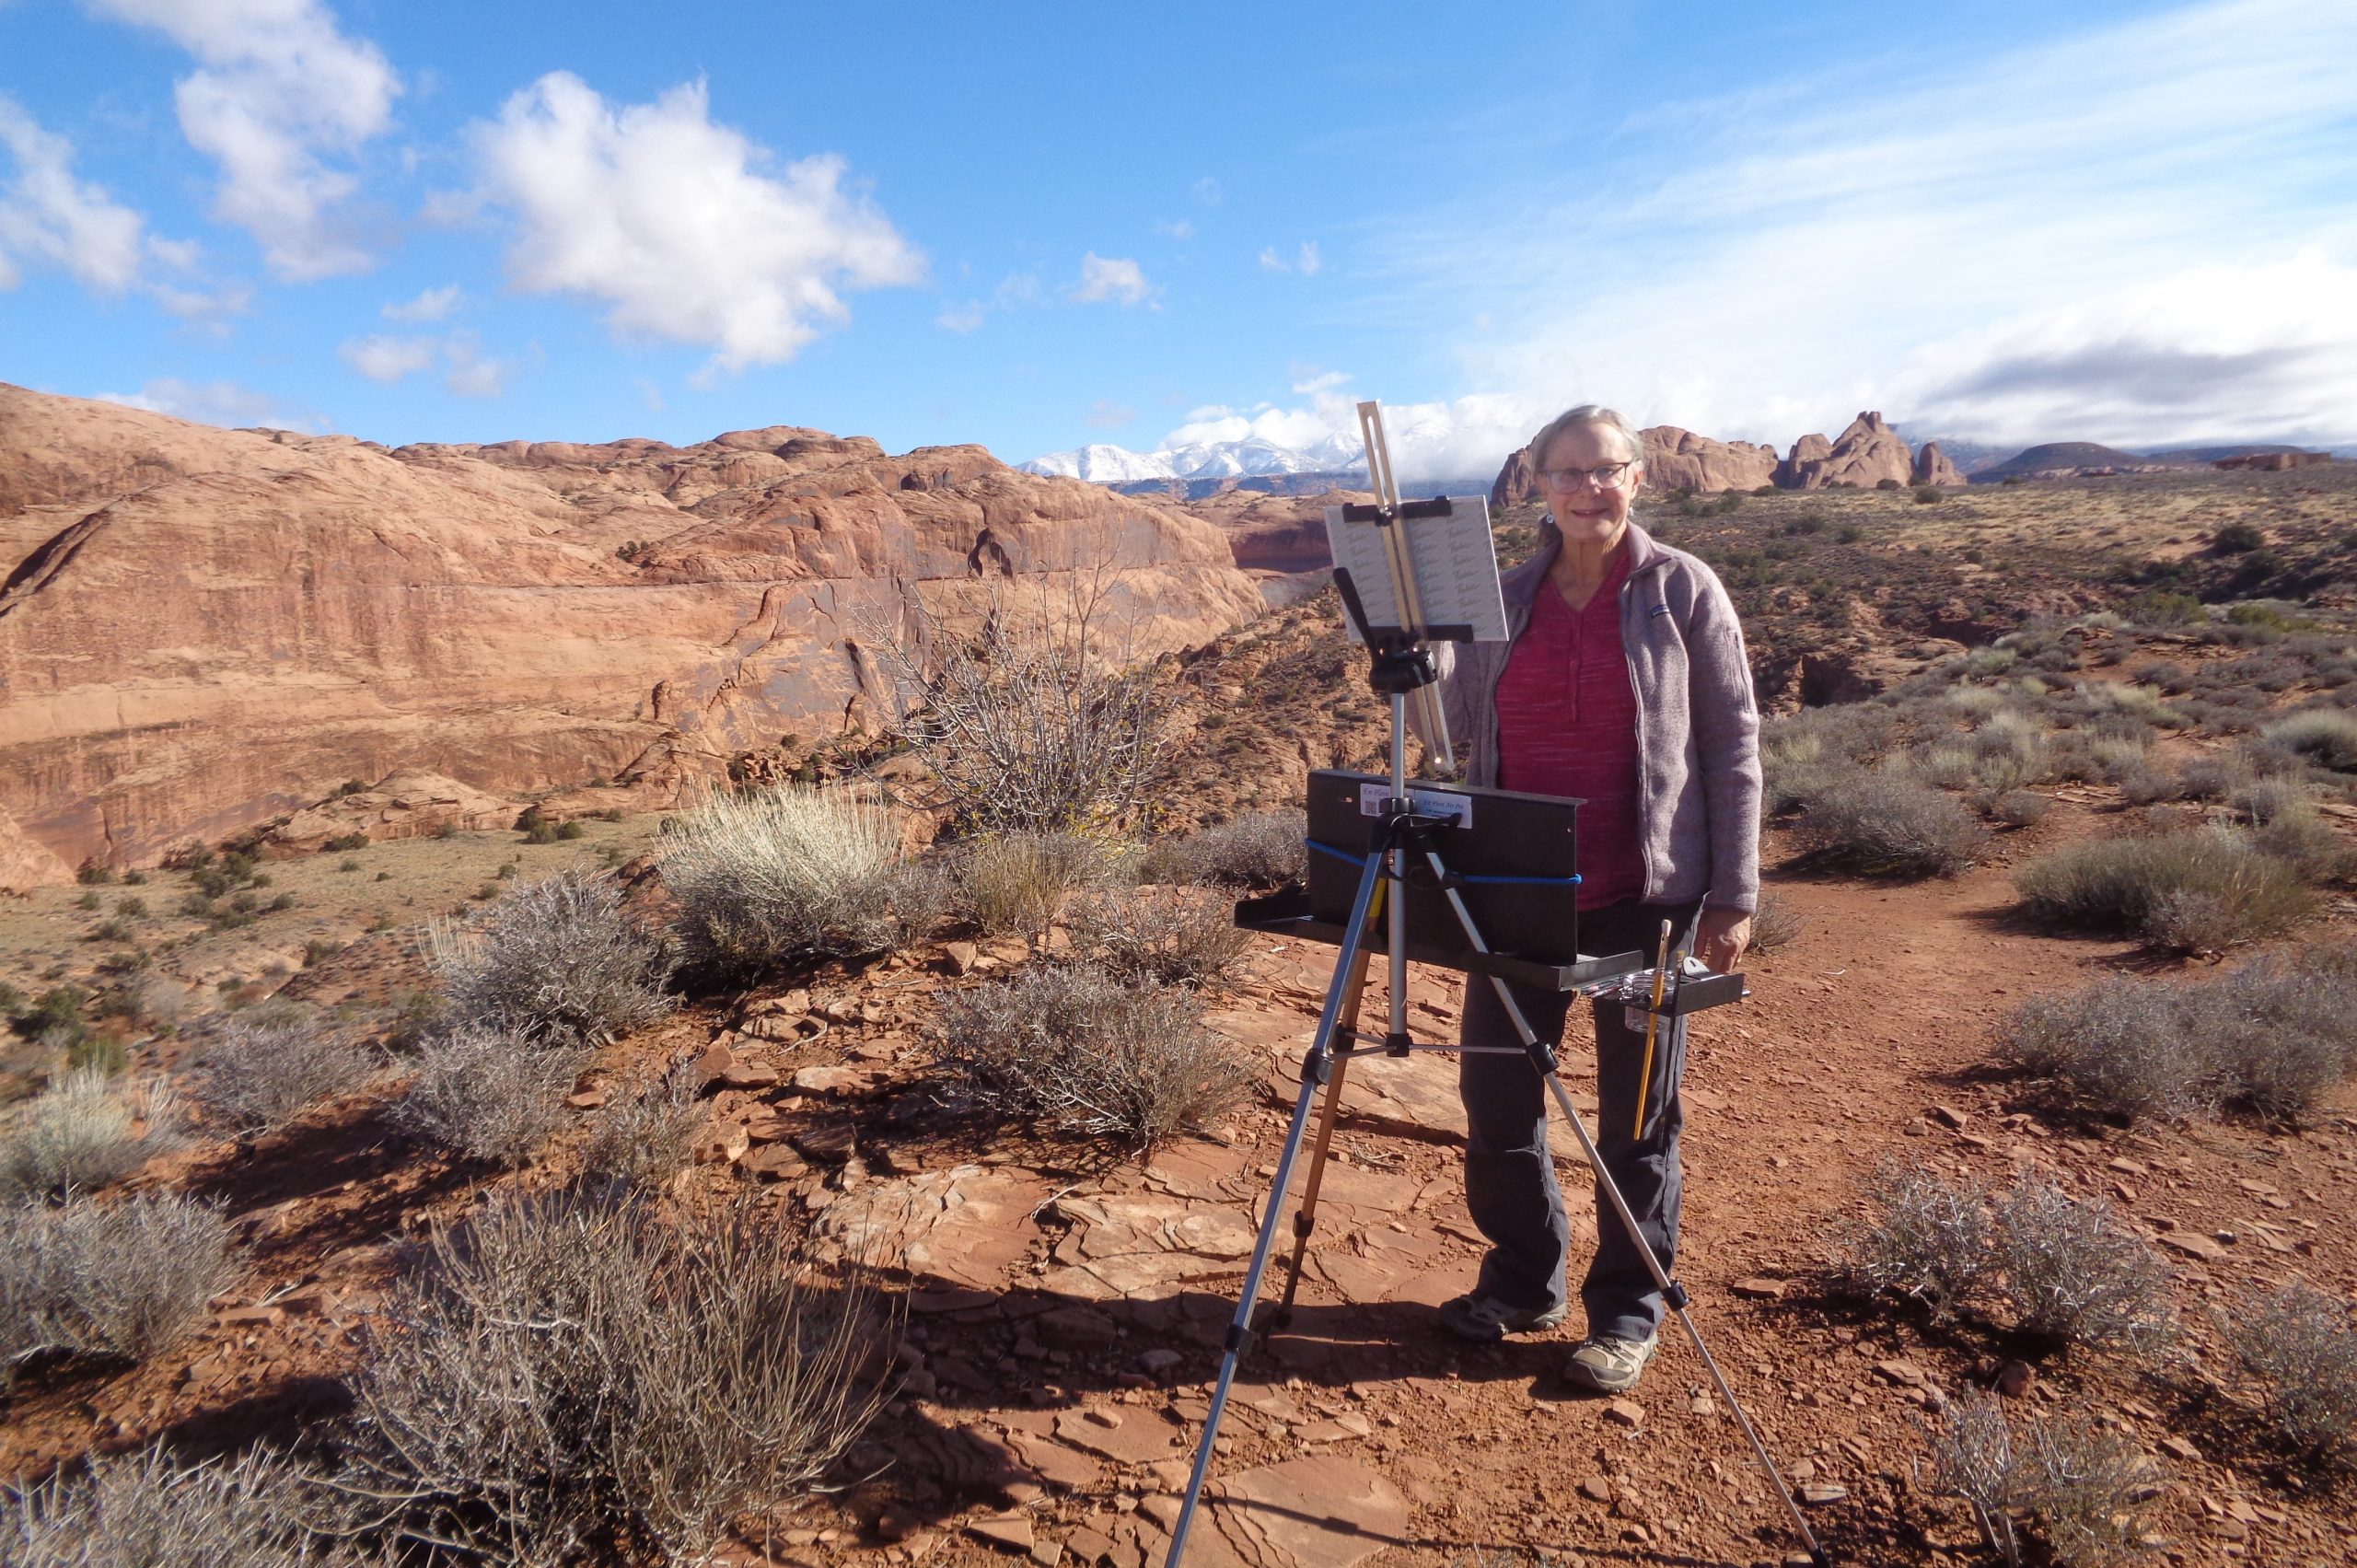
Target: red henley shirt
1567, 726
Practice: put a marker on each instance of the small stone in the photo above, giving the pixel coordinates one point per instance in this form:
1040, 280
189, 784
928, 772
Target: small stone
1597, 1488
2180, 1448
1099, 1415
1917, 1128
891, 1526
1817, 1493
587, 1099
722, 1143
1758, 1289
830, 1142
1950, 1116
1702, 1404
1625, 1412
252, 1318
959, 956
2193, 1244
1012, 1531
1159, 1361
707, 1069
1905, 1374
1047, 1553
774, 1161
742, 1075
2015, 1378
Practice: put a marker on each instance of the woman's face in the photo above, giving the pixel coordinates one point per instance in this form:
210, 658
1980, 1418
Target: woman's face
1586, 511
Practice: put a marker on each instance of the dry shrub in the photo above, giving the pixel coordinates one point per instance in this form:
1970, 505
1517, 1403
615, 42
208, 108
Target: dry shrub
1259, 849
1885, 825
1775, 923
75, 1136
1039, 720
2021, 809
2078, 1488
124, 1279
570, 1376
555, 959
2271, 1037
1080, 1050
259, 1072
143, 1508
2193, 891
647, 1138
2326, 736
2296, 1342
769, 878
1921, 1238
487, 1096
2074, 1275
1017, 883
1175, 936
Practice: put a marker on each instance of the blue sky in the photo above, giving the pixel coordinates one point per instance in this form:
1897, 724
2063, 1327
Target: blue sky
1034, 226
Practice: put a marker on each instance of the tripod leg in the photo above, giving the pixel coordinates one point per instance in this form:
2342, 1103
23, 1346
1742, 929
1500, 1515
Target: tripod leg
1305, 1219
1342, 998
1542, 1057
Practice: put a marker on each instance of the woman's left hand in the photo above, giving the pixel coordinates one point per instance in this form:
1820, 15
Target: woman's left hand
1723, 936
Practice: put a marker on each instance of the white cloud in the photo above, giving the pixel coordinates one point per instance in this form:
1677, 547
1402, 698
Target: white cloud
1114, 278
1309, 263
1178, 229
50, 219
962, 319
1106, 414
212, 402
280, 91
432, 304
385, 359
1460, 439
686, 230
2130, 233
1207, 191
472, 375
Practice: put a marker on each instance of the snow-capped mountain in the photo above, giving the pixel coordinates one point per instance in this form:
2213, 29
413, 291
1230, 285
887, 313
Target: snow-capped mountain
1102, 464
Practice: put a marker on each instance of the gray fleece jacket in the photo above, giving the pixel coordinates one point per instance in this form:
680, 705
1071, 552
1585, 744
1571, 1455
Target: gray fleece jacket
1697, 729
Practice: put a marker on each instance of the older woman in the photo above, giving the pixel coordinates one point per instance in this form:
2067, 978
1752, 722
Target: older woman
1623, 683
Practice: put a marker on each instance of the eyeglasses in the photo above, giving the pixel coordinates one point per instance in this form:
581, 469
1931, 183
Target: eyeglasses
1608, 477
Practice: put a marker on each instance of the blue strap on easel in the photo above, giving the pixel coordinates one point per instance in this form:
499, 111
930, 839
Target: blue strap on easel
1360, 860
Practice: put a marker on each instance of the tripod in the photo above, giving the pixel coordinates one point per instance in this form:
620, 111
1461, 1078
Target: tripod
1405, 838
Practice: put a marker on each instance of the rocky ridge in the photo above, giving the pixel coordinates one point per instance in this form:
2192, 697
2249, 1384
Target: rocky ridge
202, 629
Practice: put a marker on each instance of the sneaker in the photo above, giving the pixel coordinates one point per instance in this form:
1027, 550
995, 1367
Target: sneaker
1609, 1364
1486, 1319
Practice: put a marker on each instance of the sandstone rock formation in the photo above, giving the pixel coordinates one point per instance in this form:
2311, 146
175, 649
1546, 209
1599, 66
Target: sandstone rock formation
1864, 455
201, 629
407, 806
1675, 460
1274, 533
1933, 467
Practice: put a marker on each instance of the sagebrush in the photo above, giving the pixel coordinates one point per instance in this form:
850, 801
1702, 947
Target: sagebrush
1174, 934
764, 879
2297, 1343
76, 1135
1017, 883
555, 959
258, 1072
148, 1507
570, 1376
2076, 1487
2193, 891
1075, 1049
1887, 825
125, 1279
488, 1094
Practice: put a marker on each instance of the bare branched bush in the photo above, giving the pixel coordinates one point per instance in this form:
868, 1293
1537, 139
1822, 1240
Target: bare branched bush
1017, 883
147, 1508
1077, 1050
1921, 1238
569, 1375
2207, 887
1038, 720
1885, 825
555, 959
487, 1096
646, 1138
1175, 936
2297, 1343
1775, 923
124, 1279
2078, 1488
260, 1070
75, 1136
2074, 1275
770, 878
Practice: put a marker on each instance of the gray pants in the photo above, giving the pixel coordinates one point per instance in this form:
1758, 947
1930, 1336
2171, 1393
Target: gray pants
1509, 1174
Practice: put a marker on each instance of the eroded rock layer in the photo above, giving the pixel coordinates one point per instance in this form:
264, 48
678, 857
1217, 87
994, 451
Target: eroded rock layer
201, 629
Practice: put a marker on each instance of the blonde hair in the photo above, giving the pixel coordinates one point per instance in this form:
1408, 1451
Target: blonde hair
1588, 413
